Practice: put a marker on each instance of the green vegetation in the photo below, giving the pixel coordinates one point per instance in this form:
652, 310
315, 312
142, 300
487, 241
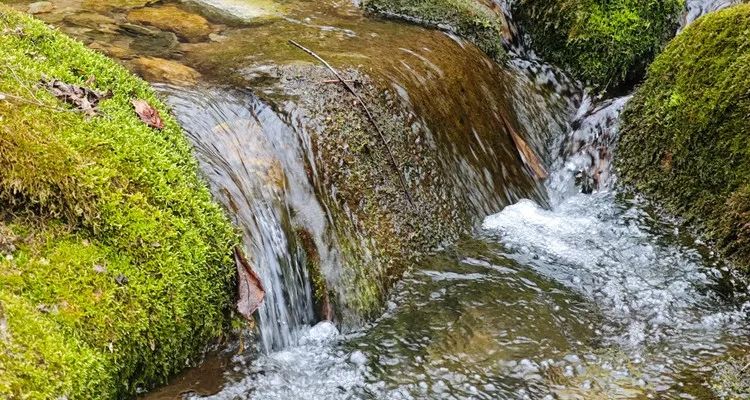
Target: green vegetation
606, 43
115, 264
684, 136
469, 18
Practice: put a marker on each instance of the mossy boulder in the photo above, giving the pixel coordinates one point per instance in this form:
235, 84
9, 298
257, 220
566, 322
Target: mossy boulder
606, 43
684, 136
475, 20
115, 263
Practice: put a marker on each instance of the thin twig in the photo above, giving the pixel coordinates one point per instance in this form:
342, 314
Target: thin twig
337, 81
35, 102
367, 111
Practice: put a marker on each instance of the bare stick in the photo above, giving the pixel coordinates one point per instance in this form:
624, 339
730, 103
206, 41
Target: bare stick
336, 81
35, 102
367, 111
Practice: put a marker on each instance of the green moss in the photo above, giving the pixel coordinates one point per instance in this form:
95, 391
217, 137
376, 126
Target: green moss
469, 18
604, 42
116, 268
684, 135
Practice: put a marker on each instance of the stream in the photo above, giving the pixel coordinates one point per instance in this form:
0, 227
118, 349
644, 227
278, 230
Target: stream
553, 294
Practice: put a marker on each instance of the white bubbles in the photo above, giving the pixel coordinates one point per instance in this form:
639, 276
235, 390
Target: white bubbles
652, 288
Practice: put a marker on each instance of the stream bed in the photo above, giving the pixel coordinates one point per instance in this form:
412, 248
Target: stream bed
596, 298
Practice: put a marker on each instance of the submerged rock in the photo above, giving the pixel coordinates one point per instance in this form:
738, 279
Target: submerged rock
242, 11
99, 22
188, 26
41, 7
162, 70
605, 43
684, 135
109, 5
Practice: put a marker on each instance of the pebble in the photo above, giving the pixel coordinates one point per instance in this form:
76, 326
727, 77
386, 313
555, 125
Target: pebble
41, 7
215, 37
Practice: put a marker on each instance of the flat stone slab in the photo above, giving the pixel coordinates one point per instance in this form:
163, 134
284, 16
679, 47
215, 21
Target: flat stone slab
245, 10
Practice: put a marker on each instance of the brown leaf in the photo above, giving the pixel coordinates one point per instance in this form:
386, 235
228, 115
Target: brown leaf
528, 155
84, 99
251, 290
148, 114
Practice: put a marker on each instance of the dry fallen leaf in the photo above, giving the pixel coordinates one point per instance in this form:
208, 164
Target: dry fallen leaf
148, 114
250, 288
528, 155
82, 98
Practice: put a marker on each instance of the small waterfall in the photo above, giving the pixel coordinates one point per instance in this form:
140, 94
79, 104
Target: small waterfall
583, 157
255, 165
694, 9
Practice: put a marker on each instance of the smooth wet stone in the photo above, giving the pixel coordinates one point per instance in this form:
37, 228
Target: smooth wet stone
240, 10
100, 5
161, 70
111, 50
41, 7
217, 38
150, 41
99, 22
188, 26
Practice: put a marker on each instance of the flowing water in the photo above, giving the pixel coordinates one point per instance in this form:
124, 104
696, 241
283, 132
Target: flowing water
558, 294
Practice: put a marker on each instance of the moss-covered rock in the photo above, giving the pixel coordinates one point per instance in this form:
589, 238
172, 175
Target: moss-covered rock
475, 20
603, 42
116, 266
685, 133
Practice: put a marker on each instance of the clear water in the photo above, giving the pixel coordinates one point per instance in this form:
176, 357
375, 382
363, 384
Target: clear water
591, 296
255, 164
596, 298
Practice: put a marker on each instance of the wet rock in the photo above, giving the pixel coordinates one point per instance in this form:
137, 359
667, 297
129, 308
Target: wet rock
607, 43
684, 134
161, 70
99, 5
111, 50
150, 41
99, 22
217, 38
238, 10
481, 22
41, 7
136, 29
188, 26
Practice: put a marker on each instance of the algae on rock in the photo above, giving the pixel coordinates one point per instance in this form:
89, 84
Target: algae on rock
606, 43
477, 21
684, 136
117, 269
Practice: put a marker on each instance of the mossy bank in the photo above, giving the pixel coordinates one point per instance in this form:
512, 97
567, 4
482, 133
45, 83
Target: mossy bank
684, 137
479, 21
116, 266
606, 43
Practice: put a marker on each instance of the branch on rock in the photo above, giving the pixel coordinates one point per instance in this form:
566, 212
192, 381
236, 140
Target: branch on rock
362, 103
